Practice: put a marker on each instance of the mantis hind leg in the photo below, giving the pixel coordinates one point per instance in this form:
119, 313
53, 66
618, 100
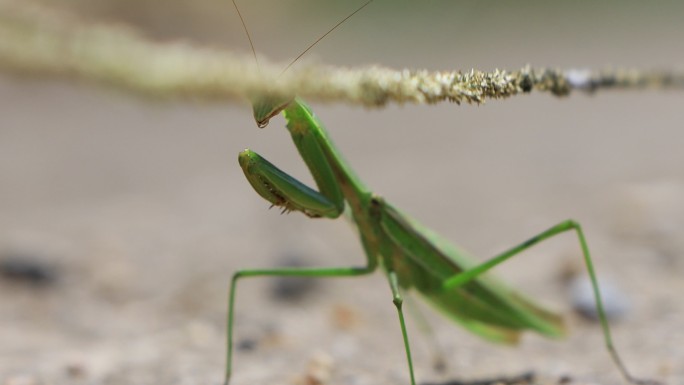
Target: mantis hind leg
568, 225
298, 272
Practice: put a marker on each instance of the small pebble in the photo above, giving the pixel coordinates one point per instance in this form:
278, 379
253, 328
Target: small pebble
344, 317
319, 370
28, 269
21, 379
292, 289
247, 344
615, 302
521, 379
76, 370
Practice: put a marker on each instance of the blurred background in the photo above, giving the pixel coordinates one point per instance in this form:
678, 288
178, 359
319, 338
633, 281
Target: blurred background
123, 219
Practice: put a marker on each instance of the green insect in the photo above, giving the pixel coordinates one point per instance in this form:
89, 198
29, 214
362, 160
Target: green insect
412, 256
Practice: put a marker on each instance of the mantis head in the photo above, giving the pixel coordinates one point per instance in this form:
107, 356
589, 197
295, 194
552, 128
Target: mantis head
266, 107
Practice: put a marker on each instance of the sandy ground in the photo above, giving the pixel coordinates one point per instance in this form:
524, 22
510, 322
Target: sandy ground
141, 213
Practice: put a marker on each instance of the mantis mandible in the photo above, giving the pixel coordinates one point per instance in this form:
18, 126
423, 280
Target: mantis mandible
412, 256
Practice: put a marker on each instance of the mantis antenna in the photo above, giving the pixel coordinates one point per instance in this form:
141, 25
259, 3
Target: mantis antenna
249, 37
251, 43
265, 107
324, 35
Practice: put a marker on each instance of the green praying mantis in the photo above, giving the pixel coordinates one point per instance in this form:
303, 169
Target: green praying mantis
412, 256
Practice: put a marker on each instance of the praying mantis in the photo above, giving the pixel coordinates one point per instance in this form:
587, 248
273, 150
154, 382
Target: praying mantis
412, 256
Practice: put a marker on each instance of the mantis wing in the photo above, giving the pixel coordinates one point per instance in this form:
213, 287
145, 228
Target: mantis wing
484, 305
